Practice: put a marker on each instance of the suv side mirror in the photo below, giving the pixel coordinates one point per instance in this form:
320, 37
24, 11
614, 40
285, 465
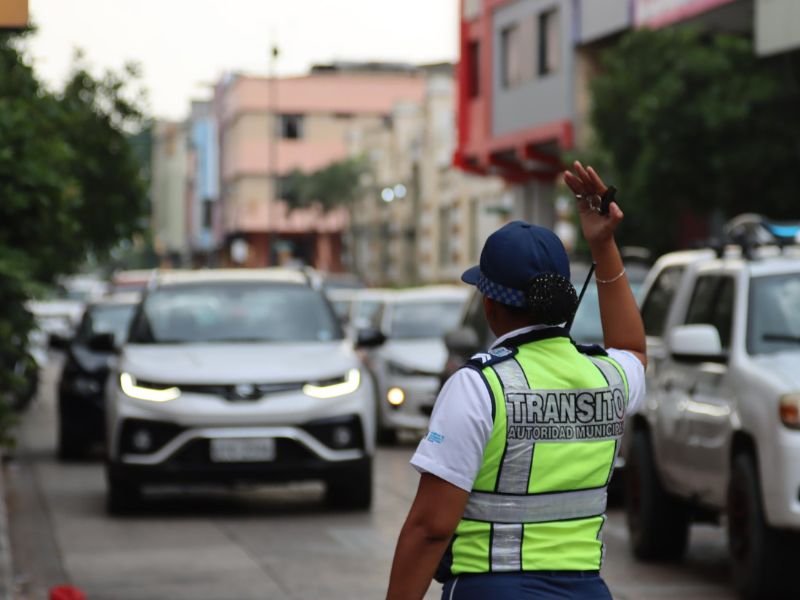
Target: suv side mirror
103, 342
369, 338
463, 341
696, 342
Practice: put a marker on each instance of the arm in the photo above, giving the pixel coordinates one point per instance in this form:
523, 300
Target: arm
619, 314
430, 524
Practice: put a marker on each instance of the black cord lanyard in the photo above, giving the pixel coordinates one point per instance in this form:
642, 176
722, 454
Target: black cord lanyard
580, 297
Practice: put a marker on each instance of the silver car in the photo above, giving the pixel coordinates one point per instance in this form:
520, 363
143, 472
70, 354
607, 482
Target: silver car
238, 376
409, 363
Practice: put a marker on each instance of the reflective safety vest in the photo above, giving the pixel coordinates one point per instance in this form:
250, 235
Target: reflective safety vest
539, 499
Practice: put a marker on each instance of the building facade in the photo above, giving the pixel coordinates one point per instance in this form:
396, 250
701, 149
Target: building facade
202, 184
270, 127
420, 220
169, 194
525, 67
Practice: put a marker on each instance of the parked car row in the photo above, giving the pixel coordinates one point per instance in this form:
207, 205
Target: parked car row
718, 438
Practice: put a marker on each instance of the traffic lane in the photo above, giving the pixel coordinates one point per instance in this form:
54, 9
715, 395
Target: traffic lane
702, 575
277, 542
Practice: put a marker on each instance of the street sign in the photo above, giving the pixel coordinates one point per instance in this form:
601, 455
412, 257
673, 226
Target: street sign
13, 14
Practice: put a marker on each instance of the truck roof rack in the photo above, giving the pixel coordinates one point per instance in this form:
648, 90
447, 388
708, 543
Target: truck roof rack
750, 231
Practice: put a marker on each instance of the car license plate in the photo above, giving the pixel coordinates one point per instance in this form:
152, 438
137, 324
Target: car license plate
226, 450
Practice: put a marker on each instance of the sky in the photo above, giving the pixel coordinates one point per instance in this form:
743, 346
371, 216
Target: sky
183, 46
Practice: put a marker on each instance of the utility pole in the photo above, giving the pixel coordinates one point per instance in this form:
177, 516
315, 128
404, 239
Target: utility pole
274, 136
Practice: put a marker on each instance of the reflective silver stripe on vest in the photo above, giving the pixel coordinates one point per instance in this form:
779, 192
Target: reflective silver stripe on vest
506, 550
610, 372
516, 468
536, 508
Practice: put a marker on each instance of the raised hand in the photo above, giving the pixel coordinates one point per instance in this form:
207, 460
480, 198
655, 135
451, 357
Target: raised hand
587, 186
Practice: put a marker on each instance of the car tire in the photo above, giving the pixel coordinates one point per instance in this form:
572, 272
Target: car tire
70, 446
387, 436
122, 496
658, 522
352, 491
763, 560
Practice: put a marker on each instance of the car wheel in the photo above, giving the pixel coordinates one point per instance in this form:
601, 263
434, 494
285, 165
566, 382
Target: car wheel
658, 522
387, 436
352, 491
70, 446
762, 559
122, 497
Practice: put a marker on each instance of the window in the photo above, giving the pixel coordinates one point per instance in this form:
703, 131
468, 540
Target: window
656, 306
773, 321
511, 68
549, 42
712, 304
291, 127
208, 213
473, 69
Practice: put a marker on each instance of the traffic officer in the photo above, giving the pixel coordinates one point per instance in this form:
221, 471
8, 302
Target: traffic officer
522, 441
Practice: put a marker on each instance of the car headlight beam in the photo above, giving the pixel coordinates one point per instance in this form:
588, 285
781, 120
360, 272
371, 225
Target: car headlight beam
350, 384
127, 384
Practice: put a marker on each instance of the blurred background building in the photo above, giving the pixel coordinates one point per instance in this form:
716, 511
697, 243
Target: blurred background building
525, 65
451, 152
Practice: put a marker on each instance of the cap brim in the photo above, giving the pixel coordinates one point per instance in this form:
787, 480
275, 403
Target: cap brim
471, 275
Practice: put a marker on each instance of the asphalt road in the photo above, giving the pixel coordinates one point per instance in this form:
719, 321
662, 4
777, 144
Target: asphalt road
274, 543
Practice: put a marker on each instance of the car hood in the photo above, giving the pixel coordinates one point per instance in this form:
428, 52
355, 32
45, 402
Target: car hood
781, 366
427, 355
238, 363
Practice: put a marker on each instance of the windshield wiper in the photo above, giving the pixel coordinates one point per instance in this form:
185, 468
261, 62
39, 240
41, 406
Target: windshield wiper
780, 337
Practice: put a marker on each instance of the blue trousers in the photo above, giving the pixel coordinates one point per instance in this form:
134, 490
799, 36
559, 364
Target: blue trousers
526, 586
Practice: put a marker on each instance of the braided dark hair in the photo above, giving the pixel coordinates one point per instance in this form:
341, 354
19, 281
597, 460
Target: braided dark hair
551, 299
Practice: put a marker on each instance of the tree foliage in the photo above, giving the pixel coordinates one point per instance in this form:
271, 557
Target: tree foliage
696, 124
338, 184
70, 183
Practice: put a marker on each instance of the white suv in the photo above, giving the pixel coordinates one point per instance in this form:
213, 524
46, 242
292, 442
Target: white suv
238, 376
719, 435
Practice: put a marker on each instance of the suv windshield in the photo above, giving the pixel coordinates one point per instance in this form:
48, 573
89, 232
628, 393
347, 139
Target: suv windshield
105, 318
424, 319
774, 314
234, 312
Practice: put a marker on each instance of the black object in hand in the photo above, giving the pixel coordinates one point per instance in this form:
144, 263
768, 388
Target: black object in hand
607, 198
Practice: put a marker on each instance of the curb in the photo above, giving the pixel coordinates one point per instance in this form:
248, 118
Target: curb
6, 570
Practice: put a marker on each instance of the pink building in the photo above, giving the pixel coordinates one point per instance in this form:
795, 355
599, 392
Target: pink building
268, 128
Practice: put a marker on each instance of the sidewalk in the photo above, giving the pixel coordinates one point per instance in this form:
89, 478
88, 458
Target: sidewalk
6, 571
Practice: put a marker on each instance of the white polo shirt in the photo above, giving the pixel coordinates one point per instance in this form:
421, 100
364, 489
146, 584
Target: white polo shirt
461, 422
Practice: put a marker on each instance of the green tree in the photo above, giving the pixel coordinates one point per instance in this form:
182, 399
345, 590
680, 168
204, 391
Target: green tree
338, 184
696, 124
70, 183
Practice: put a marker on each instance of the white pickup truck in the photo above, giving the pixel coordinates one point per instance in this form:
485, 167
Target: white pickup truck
719, 436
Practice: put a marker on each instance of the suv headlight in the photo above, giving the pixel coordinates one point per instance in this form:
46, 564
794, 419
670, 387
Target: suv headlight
129, 387
347, 385
790, 410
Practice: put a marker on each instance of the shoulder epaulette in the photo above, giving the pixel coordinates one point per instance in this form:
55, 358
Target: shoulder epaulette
492, 357
591, 349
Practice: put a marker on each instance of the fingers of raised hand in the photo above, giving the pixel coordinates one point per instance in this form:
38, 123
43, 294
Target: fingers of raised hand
598, 184
584, 176
574, 183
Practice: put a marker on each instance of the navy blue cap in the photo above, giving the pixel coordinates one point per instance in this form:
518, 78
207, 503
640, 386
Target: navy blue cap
512, 256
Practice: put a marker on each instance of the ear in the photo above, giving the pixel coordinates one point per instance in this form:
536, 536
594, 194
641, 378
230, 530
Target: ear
489, 308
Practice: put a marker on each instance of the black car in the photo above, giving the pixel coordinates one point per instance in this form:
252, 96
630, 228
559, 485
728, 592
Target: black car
81, 411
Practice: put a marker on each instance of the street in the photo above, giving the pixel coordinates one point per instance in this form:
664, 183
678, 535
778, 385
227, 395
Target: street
278, 543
